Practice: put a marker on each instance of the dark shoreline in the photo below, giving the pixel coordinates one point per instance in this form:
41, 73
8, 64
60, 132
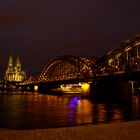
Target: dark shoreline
113, 131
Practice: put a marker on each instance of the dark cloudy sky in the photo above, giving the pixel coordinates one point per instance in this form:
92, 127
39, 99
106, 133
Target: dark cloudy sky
39, 30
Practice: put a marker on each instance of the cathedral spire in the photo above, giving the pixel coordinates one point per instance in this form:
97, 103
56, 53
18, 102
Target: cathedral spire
10, 64
17, 64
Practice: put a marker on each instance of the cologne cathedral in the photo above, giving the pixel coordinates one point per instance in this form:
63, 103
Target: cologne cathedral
13, 72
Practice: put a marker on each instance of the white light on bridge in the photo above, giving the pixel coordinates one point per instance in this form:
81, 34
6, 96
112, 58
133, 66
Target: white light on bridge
71, 88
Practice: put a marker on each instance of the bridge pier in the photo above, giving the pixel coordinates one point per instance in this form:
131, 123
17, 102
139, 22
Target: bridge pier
112, 90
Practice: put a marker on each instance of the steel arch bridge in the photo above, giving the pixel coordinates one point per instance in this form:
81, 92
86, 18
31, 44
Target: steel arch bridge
125, 57
68, 67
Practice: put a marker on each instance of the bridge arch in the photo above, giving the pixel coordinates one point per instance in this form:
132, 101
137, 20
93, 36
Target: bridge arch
68, 67
125, 57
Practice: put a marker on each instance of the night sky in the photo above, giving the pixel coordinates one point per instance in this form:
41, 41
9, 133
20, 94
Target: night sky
39, 30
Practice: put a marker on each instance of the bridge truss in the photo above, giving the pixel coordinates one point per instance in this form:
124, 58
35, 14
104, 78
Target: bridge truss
68, 67
125, 57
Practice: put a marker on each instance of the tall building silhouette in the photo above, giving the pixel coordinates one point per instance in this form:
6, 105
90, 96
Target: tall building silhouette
13, 72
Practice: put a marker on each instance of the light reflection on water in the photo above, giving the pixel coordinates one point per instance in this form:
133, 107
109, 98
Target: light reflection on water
26, 111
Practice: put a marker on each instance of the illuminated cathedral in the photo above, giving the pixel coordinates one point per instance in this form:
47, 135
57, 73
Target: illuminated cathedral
13, 72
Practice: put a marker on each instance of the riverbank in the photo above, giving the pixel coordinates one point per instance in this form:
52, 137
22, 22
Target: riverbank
114, 131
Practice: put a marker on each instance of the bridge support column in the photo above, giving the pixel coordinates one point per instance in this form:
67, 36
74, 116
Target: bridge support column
112, 90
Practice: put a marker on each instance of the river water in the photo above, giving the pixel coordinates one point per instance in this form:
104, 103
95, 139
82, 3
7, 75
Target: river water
35, 111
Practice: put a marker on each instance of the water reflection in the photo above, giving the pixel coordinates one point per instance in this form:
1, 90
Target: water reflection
136, 107
73, 102
25, 111
101, 112
117, 115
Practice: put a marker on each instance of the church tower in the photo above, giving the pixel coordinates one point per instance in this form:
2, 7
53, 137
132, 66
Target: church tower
10, 70
10, 64
17, 65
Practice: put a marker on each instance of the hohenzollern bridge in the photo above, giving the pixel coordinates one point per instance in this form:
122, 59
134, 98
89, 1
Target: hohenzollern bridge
123, 61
